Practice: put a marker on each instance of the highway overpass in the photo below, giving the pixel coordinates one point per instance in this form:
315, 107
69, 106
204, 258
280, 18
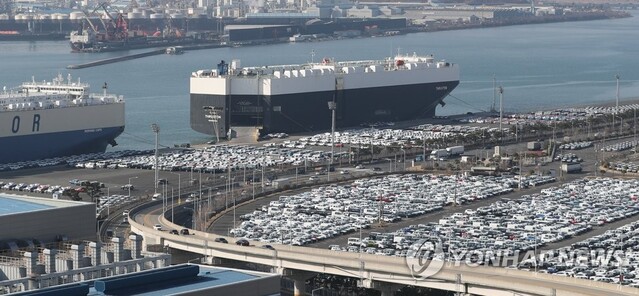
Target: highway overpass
383, 273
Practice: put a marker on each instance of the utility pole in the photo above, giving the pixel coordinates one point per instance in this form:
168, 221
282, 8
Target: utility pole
332, 105
156, 129
596, 160
617, 96
501, 112
424, 143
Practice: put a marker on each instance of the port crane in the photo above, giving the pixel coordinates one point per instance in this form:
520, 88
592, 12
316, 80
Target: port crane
117, 28
87, 18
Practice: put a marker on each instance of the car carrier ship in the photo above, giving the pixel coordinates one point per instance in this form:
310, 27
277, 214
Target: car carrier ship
295, 98
40, 120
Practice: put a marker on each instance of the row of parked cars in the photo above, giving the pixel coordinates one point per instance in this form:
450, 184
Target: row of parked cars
383, 137
611, 257
33, 187
568, 157
508, 226
108, 202
628, 167
334, 210
218, 158
576, 145
558, 115
68, 160
621, 146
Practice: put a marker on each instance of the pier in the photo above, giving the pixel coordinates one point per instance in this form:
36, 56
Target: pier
117, 59
140, 55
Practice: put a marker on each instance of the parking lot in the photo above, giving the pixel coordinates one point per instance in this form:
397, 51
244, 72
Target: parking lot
326, 212
611, 257
532, 221
387, 136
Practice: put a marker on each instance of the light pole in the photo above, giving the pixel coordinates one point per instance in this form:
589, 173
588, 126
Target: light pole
635, 128
332, 105
233, 197
253, 183
501, 112
129, 185
617, 95
404, 158
156, 130
621, 125
179, 193
424, 144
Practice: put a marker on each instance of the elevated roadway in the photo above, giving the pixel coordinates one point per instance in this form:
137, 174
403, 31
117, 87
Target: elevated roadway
378, 272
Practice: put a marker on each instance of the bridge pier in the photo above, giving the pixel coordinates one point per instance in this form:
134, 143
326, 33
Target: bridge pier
386, 289
299, 278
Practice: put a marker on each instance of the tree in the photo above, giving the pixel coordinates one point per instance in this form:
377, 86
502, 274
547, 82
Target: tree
92, 189
72, 194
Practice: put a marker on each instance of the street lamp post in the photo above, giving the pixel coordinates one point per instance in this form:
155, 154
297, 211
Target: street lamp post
253, 183
617, 94
424, 145
635, 128
156, 129
404, 159
129, 185
179, 193
179, 184
233, 197
332, 105
501, 112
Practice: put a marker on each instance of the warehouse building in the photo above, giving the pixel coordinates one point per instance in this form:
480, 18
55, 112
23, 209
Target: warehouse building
46, 220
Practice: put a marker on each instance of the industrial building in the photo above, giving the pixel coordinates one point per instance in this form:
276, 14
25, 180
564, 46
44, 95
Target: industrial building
50, 265
44, 219
266, 29
241, 33
464, 13
184, 279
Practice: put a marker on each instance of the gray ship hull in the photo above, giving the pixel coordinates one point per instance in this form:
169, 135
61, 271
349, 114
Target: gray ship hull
308, 112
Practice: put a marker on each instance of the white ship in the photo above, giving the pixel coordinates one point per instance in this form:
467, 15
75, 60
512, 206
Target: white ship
50, 119
294, 98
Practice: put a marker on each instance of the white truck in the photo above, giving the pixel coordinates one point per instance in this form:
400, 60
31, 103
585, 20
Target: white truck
281, 183
438, 154
455, 150
571, 167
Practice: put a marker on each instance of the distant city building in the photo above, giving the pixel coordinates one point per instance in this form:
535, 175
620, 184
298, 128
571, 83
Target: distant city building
363, 11
466, 13
391, 10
